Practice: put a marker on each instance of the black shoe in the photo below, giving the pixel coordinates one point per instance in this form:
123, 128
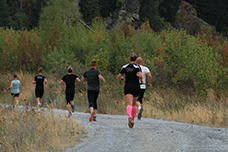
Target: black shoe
69, 114
140, 114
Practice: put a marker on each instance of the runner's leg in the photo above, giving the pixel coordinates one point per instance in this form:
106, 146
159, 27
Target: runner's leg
90, 95
134, 108
129, 98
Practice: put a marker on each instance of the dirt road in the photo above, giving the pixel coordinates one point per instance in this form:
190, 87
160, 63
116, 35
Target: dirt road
111, 134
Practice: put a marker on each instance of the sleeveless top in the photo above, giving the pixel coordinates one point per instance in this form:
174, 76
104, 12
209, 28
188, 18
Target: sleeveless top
15, 88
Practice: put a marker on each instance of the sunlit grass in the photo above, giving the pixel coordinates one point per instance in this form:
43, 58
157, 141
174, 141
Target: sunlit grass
27, 131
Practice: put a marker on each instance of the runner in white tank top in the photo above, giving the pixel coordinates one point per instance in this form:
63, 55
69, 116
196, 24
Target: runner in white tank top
145, 74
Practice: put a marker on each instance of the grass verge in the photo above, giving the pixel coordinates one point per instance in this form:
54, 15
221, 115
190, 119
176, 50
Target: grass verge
27, 131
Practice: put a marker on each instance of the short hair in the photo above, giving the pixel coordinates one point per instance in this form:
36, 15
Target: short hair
15, 76
133, 57
93, 63
69, 69
40, 70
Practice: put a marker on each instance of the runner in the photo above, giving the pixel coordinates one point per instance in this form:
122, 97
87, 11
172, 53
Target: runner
69, 79
39, 80
132, 73
145, 73
92, 77
15, 92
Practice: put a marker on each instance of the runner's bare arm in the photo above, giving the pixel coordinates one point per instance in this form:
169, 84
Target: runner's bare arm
11, 85
61, 82
83, 79
33, 82
120, 77
78, 80
149, 76
140, 76
101, 78
45, 81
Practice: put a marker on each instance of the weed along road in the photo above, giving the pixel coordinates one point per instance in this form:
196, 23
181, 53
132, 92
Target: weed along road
111, 134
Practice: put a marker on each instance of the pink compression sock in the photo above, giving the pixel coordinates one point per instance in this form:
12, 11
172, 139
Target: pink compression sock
129, 110
133, 112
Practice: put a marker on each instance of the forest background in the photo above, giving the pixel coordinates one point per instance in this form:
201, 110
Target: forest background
189, 71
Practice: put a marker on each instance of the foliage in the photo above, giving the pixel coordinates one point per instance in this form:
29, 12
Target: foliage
12, 16
213, 12
174, 57
20, 50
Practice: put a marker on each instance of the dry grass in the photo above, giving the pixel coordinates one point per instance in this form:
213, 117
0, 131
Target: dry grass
173, 106
27, 131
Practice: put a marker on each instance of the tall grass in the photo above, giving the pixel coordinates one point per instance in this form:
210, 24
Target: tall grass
27, 131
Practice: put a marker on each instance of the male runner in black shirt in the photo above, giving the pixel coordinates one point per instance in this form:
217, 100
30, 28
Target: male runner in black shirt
69, 79
39, 91
92, 76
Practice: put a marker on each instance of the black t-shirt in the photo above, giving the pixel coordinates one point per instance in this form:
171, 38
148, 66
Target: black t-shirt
130, 71
69, 79
92, 78
39, 82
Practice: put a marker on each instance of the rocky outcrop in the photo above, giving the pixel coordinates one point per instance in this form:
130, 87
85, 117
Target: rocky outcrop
186, 18
128, 12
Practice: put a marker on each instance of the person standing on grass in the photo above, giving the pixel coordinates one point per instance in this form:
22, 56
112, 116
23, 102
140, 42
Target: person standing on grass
15, 92
132, 73
39, 80
92, 76
145, 73
70, 79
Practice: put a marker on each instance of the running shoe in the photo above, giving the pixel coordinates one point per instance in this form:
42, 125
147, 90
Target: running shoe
69, 114
91, 116
94, 118
140, 114
38, 105
130, 124
16, 106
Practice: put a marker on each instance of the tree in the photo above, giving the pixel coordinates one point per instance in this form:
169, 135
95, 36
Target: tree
168, 9
149, 11
89, 9
5, 18
213, 12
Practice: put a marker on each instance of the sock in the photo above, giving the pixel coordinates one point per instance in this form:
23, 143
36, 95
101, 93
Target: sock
129, 109
39, 103
72, 106
133, 112
139, 107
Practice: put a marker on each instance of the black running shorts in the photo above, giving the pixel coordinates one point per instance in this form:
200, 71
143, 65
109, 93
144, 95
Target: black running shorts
141, 94
15, 94
131, 88
39, 93
69, 97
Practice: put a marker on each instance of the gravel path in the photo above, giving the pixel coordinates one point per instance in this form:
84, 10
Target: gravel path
111, 133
